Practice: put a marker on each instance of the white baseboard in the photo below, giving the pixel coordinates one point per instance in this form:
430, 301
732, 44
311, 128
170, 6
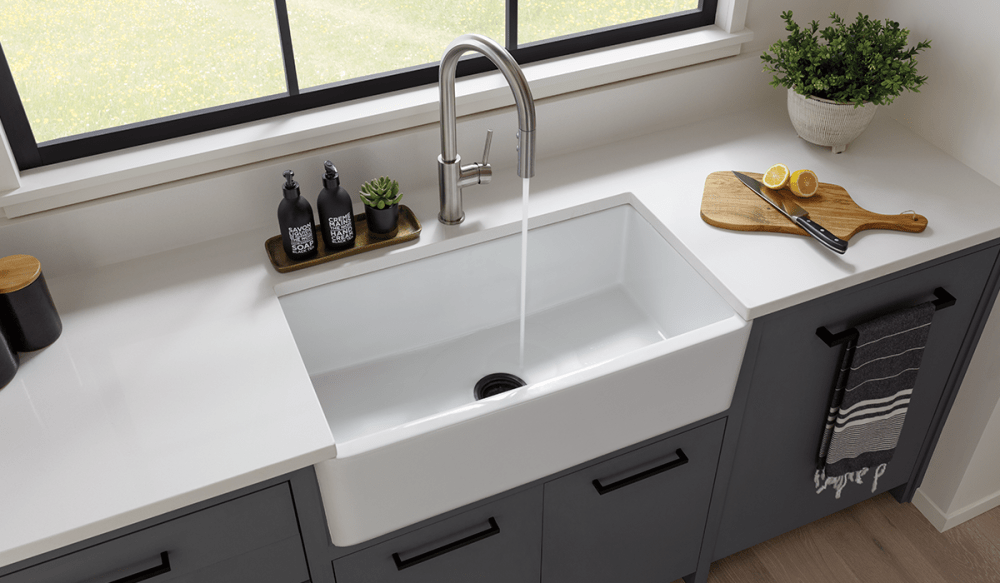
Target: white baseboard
944, 521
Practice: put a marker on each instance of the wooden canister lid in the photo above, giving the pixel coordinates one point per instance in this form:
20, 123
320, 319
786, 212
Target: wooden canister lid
17, 272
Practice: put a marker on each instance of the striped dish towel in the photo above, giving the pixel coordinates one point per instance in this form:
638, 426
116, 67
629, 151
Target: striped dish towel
871, 396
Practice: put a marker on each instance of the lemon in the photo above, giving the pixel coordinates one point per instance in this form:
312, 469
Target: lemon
803, 183
776, 177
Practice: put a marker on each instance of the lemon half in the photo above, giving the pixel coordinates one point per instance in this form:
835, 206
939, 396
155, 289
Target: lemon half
803, 183
776, 177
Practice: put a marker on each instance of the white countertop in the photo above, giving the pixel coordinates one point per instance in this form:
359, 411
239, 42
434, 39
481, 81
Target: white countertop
887, 170
176, 378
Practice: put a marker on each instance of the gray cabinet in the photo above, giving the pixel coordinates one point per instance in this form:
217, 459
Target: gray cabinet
249, 536
638, 517
771, 489
496, 542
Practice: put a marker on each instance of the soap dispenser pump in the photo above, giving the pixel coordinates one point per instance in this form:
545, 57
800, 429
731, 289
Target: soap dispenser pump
295, 217
336, 214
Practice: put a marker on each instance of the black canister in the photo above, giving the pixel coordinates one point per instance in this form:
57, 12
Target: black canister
8, 361
27, 313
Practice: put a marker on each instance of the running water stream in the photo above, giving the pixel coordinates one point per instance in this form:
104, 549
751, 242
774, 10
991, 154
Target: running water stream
524, 265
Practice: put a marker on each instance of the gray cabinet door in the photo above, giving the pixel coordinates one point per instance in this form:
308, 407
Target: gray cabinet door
638, 517
248, 539
771, 490
496, 542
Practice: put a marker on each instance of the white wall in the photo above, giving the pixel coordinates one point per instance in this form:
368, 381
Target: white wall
957, 111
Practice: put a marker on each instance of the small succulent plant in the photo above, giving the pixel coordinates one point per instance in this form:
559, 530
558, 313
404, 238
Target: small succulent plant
380, 193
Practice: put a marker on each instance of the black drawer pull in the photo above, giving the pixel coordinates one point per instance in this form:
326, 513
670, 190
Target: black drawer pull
602, 489
943, 300
163, 568
492, 530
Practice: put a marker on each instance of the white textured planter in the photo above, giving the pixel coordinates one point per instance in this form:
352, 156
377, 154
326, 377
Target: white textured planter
828, 123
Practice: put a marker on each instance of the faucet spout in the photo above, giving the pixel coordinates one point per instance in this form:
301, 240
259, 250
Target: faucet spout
452, 176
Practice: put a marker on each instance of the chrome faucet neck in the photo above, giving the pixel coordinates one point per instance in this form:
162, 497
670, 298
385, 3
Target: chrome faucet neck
452, 176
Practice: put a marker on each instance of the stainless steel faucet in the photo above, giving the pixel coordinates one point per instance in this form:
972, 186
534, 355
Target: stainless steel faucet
452, 176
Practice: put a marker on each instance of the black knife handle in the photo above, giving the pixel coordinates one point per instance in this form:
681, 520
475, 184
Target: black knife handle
822, 235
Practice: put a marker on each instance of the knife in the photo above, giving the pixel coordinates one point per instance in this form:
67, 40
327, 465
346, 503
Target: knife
796, 214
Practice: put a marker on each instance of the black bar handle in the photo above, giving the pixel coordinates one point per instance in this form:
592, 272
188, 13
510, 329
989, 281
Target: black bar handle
144, 575
682, 459
943, 300
402, 564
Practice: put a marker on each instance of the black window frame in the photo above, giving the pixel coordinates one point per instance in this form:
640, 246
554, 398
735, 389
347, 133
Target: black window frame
30, 154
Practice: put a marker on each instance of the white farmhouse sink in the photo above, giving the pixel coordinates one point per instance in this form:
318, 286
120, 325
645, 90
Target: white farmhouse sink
624, 341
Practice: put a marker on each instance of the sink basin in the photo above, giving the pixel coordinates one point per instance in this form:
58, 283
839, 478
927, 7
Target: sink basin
624, 340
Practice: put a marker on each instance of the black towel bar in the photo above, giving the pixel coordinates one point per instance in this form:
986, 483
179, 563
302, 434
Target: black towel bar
944, 300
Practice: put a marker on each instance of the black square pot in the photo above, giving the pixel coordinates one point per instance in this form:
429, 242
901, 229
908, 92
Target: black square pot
382, 222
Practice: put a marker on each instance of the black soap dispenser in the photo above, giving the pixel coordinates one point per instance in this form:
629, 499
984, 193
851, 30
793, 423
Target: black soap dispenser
336, 214
295, 217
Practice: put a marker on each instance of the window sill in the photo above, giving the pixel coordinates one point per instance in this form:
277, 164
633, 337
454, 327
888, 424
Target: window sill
155, 164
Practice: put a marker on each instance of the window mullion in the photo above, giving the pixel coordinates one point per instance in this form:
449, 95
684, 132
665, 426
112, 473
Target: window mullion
510, 25
285, 32
15, 120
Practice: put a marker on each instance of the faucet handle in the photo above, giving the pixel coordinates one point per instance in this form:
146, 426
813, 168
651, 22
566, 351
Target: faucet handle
486, 150
477, 173
484, 172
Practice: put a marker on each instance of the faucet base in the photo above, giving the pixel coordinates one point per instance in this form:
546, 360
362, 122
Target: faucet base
450, 193
442, 219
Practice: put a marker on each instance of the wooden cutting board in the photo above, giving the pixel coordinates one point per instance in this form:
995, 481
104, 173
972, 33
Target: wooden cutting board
729, 204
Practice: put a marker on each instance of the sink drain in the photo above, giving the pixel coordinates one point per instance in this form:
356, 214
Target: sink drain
495, 383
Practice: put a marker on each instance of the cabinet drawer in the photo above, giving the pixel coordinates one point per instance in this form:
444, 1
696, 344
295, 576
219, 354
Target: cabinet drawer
637, 517
262, 522
497, 542
278, 562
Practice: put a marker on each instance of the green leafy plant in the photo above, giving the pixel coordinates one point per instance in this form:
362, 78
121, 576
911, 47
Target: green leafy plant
866, 61
380, 193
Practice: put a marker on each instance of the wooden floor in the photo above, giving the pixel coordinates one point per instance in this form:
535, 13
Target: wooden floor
879, 540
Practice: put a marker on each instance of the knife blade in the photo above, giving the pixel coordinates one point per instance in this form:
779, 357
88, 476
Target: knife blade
796, 214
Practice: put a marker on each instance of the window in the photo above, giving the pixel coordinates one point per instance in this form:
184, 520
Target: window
84, 77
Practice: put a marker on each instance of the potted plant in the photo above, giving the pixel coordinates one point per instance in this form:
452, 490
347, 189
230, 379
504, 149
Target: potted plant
381, 198
838, 76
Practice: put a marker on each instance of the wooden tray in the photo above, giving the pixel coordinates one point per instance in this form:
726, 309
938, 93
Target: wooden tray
407, 229
729, 204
